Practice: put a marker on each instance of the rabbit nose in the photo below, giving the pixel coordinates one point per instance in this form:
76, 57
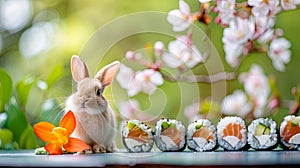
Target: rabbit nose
84, 99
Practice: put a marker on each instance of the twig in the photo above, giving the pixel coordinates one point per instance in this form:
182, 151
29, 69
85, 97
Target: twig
201, 78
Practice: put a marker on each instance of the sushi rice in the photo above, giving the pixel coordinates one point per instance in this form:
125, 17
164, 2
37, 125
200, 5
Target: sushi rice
232, 133
137, 136
262, 134
201, 136
290, 132
169, 135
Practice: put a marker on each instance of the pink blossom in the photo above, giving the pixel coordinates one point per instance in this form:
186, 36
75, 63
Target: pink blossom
264, 28
289, 4
131, 110
192, 111
232, 54
279, 53
204, 1
126, 79
180, 18
236, 104
266, 36
125, 76
264, 7
235, 37
131, 55
239, 31
182, 52
226, 9
135, 82
257, 86
148, 80
159, 47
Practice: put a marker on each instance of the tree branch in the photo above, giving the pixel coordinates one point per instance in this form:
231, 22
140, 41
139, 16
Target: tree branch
201, 78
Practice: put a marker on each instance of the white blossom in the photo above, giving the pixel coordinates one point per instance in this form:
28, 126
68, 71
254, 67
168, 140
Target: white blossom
232, 54
239, 31
192, 111
257, 86
131, 110
131, 55
289, 4
182, 51
204, 1
266, 36
226, 9
159, 47
264, 7
148, 80
180, 18
125, 76
279, 53
236, 104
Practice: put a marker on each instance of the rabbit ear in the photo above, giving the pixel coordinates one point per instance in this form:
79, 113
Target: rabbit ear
78, 69
107, 73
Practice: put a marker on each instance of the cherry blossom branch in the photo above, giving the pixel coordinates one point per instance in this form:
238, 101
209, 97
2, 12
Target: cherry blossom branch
201, 78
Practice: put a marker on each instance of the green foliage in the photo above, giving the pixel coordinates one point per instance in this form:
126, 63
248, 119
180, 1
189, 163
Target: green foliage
6, 136
23, 87
5, 88
16, 120
55, 74
17, 131
28, 139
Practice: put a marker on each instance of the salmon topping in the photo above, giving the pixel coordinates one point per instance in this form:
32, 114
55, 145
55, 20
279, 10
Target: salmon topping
138, 134
174, 134
204, 133
290, 130
233, 129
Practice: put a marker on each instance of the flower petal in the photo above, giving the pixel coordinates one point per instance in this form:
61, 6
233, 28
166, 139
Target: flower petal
68, 122
54, 149
43, 131
76, 145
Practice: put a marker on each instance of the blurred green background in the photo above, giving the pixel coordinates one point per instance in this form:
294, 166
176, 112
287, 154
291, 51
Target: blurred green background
38, 38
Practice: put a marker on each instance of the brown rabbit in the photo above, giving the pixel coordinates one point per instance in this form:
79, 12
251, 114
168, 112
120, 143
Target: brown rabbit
95, 118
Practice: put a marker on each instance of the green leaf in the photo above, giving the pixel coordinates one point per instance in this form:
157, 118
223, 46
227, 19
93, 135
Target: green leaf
6, 136
6, 88
55, 74
16, 120
27, 139
23, 87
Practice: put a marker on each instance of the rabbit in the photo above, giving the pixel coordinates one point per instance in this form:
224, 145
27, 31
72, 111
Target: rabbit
95, 119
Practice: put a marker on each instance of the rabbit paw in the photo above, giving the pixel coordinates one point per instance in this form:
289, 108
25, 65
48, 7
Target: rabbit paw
99, 149
110, 148
87, 151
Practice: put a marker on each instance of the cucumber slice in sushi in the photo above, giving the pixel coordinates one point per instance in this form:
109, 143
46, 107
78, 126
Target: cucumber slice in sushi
262, 134
169, 135
262, 129
136, 136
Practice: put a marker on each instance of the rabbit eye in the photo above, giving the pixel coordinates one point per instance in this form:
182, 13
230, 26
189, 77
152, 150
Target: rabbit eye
98, 92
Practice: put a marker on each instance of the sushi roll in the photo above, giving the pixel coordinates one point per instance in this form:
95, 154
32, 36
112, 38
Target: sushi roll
262, 134
201, 136
169, 135
232, 133
137, 136
290, 132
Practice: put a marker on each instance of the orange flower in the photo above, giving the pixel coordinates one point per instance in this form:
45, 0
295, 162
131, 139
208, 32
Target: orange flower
59, 137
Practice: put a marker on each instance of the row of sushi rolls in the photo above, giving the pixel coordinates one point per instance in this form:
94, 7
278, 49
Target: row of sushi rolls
230, 134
